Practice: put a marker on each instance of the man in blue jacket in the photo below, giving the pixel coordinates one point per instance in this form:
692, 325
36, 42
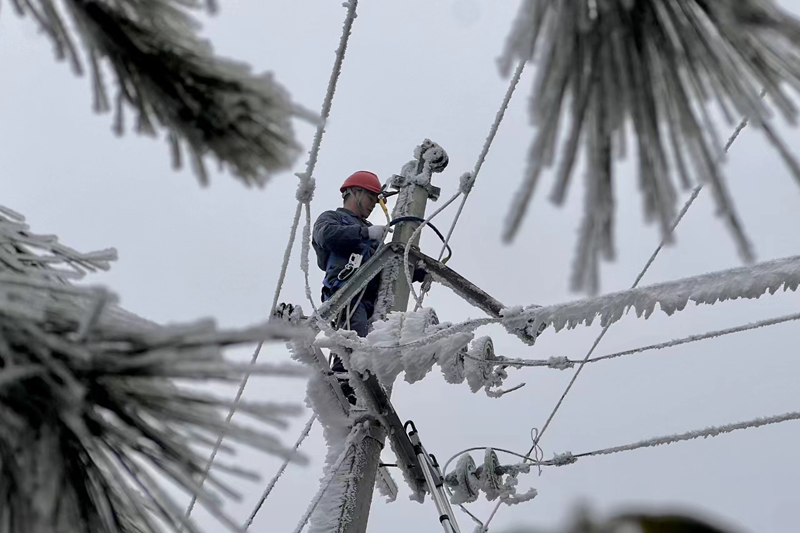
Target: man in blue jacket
346, 231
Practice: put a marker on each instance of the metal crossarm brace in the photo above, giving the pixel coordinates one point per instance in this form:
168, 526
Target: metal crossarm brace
383, 257
440, 272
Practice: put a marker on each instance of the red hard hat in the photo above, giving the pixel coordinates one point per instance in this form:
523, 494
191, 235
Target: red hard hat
364, 179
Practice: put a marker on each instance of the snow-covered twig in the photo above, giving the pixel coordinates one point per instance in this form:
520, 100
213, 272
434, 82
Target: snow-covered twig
662, 67
168, 75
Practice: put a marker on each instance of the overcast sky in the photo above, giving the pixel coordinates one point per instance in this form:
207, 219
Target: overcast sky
417, 69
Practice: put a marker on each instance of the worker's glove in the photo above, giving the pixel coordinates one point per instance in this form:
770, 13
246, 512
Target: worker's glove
376, 233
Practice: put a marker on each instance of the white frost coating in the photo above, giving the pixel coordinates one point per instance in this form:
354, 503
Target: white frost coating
495, 480
333, 507
560, 363
418, 492
480, 369
744, 282
336, 503
383, 488
401, 329
514, 499
385, 298
466, 182
452, 364
321, 399
563, 459
467, 484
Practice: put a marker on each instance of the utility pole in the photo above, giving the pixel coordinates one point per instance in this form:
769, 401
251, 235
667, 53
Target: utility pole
352, 486
412, 200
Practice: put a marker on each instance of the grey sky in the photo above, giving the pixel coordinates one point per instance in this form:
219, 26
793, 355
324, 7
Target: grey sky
418, 69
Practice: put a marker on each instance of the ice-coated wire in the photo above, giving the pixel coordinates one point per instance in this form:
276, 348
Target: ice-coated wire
498, 119
417, 231
560, 362
304, 262
304, 196
713, 431
211, 458
279, 473
287, 255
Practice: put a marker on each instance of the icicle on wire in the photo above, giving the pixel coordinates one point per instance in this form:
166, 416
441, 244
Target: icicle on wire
305, 192
271, 485
563, 363
167, 75
653, 65
713, 431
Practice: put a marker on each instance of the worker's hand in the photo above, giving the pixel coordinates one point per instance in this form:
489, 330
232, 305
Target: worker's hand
376, 233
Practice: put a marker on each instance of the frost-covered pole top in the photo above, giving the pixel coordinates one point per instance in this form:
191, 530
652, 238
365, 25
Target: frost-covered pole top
429, 159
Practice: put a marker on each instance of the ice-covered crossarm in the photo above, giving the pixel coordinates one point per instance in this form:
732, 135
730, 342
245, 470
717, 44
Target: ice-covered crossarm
381, 355
744, 282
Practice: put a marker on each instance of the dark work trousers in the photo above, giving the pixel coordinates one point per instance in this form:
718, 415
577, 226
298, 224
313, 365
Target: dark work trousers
359, 322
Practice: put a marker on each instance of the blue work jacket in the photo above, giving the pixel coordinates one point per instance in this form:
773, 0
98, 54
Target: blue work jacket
337, 234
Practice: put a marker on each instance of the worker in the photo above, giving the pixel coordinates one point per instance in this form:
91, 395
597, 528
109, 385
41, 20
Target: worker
346, 231
340, 234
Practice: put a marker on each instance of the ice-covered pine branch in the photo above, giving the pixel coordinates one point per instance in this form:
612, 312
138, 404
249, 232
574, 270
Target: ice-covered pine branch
663, 68
89, 406
169, 77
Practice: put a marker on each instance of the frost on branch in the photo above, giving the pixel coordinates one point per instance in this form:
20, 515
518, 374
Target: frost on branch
607, 67
89, 405
744, 282
170, 77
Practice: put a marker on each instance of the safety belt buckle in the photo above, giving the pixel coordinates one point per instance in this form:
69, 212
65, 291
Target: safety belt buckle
351, 266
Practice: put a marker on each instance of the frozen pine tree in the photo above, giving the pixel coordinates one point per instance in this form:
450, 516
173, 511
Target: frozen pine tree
91, 419
168, 77
659, 70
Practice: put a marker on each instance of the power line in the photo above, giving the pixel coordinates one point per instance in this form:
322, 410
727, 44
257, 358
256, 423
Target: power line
466, 186
602, 334
321, 492
644, 270
486, 146
279, 473
305, 192
561, 363
713, 431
